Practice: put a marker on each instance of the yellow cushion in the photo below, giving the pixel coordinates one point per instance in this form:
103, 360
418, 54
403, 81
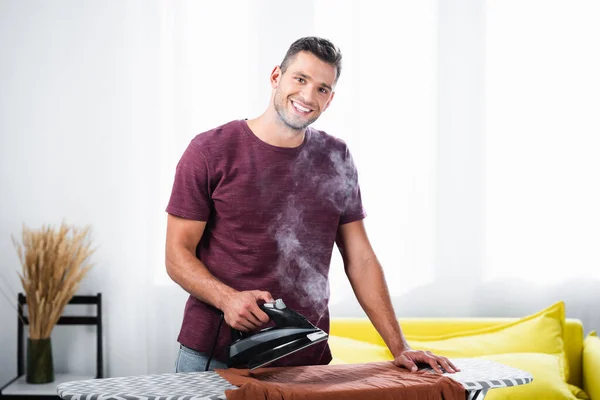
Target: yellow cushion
546, 369
351, 351
578, 392
337, 361
541, 332
360, 328
547, 381
591, 363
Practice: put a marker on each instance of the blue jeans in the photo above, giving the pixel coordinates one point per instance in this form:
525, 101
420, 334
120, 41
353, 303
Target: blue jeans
189, 360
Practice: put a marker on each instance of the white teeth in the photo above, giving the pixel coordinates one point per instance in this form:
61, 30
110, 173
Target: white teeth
300, 108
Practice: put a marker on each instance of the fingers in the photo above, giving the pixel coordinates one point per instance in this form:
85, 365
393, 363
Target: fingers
266, 297
262, 295
450, 364
433, 363
409, 359
439, 361
242, 312
404, 361
242, 325
244, 317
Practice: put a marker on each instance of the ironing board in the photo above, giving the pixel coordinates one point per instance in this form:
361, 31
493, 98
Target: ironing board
477, 376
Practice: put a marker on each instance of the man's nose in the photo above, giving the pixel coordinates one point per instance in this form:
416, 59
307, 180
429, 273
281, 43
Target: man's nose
309, 95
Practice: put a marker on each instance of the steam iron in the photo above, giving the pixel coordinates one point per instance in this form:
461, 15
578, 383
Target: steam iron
291, 333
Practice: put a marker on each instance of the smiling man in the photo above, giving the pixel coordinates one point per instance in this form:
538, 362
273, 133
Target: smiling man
255, 210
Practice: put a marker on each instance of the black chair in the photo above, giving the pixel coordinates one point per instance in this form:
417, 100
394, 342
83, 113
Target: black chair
18, 388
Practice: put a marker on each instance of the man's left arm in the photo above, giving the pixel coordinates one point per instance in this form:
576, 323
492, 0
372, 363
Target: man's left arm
368, 282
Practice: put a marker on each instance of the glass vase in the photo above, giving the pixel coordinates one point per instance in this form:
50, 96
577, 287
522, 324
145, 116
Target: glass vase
40, 368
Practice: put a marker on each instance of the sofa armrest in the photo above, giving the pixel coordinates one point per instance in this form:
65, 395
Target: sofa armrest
591, 366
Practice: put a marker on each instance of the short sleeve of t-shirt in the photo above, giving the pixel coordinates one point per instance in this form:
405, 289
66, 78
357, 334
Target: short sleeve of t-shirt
191, 193
353, 208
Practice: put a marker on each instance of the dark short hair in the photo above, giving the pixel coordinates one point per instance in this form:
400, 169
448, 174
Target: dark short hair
323, 49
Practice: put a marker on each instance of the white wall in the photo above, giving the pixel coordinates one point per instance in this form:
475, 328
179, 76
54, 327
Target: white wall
80, 118
78, 122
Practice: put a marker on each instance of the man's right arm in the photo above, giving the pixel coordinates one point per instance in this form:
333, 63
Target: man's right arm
239, 308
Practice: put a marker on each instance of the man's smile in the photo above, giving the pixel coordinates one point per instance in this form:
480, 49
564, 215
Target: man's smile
302, 109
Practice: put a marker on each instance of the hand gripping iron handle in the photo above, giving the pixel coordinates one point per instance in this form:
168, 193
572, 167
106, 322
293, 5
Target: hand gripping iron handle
284, 317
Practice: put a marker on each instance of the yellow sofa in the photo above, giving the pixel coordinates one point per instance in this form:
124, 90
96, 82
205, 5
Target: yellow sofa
526, 343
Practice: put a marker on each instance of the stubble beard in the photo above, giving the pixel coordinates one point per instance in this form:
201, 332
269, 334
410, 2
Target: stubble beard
294, 123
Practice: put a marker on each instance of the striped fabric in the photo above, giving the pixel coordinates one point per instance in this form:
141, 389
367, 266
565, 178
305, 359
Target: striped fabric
477, 376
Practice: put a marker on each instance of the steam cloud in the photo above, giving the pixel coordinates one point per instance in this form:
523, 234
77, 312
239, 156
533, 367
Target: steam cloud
298, 265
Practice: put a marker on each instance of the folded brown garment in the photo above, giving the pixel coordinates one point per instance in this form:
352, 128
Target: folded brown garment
377, 380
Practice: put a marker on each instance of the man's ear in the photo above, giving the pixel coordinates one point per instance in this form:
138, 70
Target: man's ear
328, 102
275, 77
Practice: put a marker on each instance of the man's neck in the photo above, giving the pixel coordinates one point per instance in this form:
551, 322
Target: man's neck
271, 129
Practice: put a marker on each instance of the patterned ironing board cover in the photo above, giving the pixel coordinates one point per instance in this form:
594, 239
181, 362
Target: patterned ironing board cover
475, 375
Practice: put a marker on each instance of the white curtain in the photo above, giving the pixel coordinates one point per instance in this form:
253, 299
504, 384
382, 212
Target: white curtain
542, 164
542, 141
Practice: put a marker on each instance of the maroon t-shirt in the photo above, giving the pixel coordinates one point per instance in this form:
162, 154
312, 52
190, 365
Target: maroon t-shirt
272, 216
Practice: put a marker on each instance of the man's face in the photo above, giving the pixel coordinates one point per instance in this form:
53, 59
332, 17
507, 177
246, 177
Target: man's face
304, 91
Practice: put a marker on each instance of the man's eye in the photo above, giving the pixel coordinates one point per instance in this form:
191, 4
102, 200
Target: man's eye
324, 91
300, 80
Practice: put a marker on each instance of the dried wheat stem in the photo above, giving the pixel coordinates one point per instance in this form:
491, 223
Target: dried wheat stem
53, 265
